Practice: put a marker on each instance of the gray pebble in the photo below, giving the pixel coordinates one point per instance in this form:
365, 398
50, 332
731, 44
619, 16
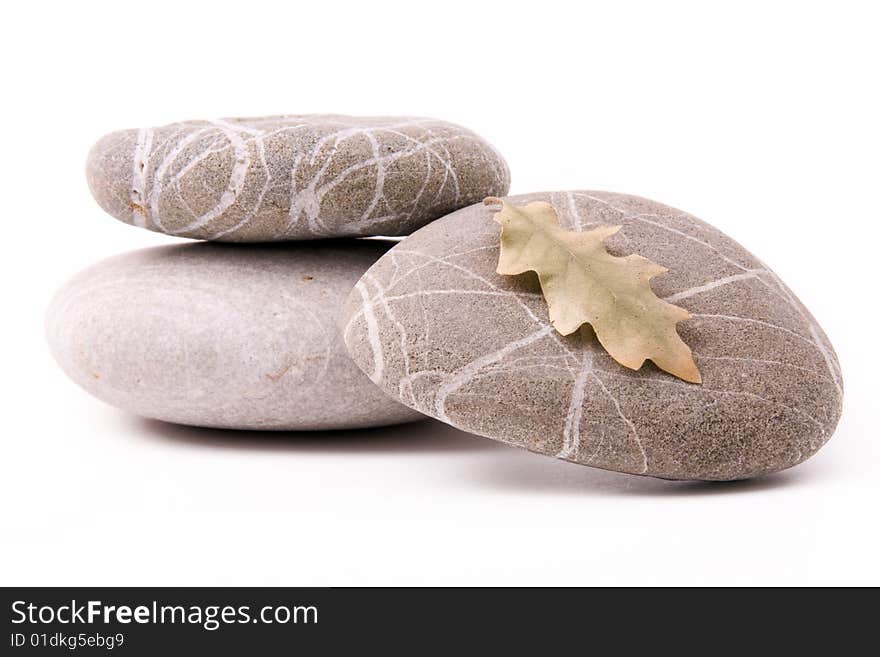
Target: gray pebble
215, 335
435, 326
292, 177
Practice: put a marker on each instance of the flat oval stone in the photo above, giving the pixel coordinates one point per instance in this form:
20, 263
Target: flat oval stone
435, 326
214, 335
292, 177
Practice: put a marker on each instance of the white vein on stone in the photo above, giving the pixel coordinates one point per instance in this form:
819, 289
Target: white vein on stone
765, 361
386, 306
138, 197
572, 208
832, 364
162, 170
261, 154
313, 194
247, 140
514, 295
236, 180
571, 432
752, 320
632, 427
463, 375
711, 285
703, 389
373, 335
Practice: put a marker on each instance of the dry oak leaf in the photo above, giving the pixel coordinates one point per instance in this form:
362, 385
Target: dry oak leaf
583, 283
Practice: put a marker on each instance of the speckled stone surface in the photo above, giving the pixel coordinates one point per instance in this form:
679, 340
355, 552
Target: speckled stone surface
435, 326
292, 177
215, 335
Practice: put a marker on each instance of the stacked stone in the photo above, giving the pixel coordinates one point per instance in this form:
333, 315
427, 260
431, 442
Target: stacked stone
240, 331
300, 324
437, 328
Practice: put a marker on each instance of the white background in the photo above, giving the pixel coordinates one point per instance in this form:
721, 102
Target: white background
761, 118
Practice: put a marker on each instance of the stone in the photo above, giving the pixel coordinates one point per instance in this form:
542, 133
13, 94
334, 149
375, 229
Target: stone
435, 326
292, 177
222, 335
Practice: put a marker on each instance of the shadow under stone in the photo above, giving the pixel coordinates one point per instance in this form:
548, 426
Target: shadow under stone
414, 437
489, 464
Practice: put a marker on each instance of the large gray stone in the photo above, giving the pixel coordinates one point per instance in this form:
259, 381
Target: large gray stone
292, 177
435, 326
214, 335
